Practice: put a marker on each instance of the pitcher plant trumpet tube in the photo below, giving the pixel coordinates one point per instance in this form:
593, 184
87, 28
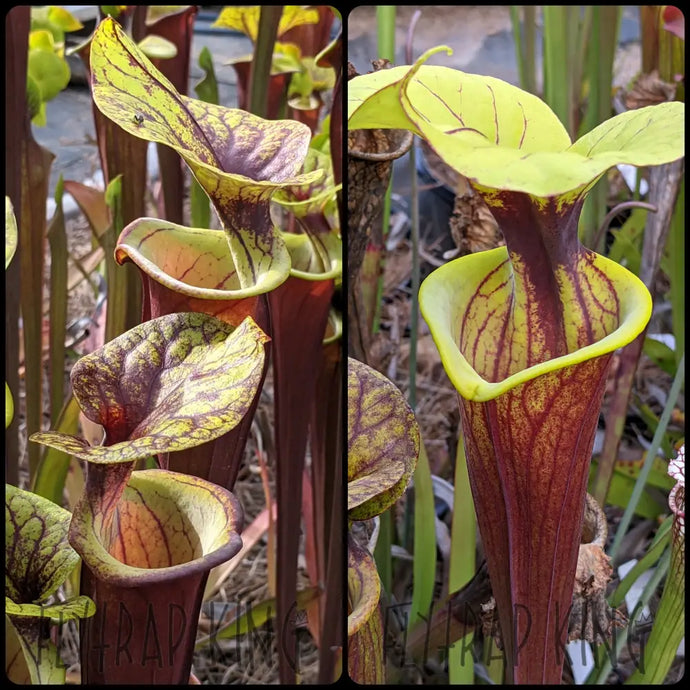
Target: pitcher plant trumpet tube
149, 538
525, 331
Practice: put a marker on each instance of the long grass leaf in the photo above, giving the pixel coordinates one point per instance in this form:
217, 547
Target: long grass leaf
385, 28
116, 276
676, 271
254, 617
57, 238
649, 458
605, 23
524, 37
607, 657
206, 90
654, 553
558, 88
52, 470
668, 630
260, 71
424, 564
382, 551
462, 561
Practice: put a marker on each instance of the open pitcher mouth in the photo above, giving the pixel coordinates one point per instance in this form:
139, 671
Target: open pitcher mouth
165, 526
448, 292
195, 262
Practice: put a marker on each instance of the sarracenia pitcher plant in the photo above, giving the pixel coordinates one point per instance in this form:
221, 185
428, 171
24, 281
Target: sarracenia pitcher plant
526, 331
383, 445
251, 267
239, 160
149, 538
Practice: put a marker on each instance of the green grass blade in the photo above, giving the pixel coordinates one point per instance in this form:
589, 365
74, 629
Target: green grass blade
558, 53
462, 562
253, 618
424, 565
602, 669
675, 268
525, 44
669, 626
385, 27
116, 277
649, 458
654, 553
206, 90
57, 239
260, 72
51, 474
602, 44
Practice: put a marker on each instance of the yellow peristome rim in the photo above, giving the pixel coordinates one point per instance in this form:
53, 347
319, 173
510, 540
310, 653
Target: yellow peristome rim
293, 241
446, 290
336, 321
129, 246
219, 536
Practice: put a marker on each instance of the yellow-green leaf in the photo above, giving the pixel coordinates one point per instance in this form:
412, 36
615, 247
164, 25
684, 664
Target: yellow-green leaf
9, 406
157, 47
38, 557
238, 158
63, 18
504, 138
41, 40
49, 72
63, 611
40, 659
246, 19
166, 385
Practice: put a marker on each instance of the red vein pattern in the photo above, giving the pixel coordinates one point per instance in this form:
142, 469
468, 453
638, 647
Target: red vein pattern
146, 558
528, 458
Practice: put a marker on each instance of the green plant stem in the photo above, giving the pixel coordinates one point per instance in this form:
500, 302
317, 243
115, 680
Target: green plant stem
385, 31
424, 564
385, 23
654, 552
385, 27
599, 673
414, 308
260, 72
649, 457
462, 560
598, 42
525, 44
669, 625
676, 265
57, 239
